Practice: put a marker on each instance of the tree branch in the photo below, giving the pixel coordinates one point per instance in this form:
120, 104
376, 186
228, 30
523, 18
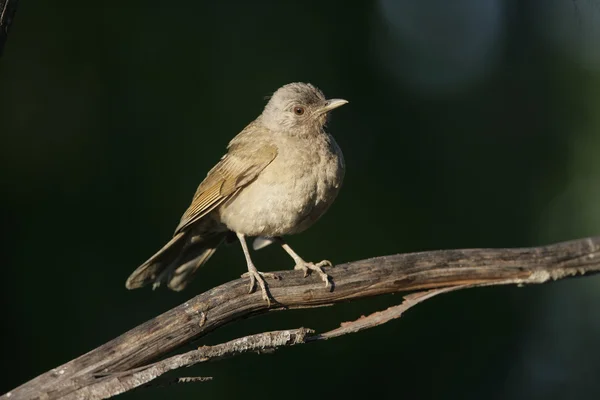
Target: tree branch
7, 13
126, 362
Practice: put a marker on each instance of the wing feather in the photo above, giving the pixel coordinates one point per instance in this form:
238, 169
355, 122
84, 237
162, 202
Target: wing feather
240, 166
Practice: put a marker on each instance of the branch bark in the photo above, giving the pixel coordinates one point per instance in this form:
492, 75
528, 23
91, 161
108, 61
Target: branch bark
7, 13
127, 361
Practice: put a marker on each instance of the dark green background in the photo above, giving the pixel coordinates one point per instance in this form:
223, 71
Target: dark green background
471, 123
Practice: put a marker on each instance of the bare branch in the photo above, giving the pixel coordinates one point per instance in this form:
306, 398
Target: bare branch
92, 376
115, 383
262, 342
381, 317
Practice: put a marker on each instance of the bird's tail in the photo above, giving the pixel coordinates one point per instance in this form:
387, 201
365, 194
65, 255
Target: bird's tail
176, 262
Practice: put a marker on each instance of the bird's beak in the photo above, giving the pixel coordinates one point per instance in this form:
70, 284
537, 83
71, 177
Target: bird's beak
331, 104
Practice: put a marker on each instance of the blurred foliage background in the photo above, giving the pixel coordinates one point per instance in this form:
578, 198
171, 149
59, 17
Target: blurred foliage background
471, 123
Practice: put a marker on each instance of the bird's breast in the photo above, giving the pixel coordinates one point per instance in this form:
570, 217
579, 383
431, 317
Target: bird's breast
291, 193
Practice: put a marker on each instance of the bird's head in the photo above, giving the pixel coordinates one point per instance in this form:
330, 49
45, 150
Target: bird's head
298, 109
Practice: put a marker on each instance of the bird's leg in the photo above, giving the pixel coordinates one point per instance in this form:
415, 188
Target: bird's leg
254, 275
306, 266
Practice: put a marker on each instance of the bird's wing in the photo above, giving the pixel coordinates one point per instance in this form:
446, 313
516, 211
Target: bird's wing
240, 166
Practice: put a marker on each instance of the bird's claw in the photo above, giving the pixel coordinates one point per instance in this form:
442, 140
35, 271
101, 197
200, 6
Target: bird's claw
257, 276
308, 267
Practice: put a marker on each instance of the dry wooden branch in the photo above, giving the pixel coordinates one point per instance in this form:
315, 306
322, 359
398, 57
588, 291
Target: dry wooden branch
126, 362
259, 343
7, 13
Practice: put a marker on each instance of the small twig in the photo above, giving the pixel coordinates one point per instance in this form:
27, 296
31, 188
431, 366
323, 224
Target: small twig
127, 380
184, 379
8, 8
190, 379
381, 317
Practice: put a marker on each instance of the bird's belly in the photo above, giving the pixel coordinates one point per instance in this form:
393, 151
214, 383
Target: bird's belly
279, 203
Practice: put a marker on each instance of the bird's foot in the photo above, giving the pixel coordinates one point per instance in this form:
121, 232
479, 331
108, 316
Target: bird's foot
308, 267
259, 277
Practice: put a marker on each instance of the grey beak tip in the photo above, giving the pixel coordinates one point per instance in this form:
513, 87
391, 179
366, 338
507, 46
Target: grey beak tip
332, 104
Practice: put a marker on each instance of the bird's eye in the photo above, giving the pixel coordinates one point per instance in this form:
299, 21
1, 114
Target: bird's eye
298, 110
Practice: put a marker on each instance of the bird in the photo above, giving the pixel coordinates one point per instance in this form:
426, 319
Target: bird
280, 174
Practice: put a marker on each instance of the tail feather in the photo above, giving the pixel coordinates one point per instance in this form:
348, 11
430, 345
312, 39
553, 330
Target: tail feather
181, 272
176, 262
